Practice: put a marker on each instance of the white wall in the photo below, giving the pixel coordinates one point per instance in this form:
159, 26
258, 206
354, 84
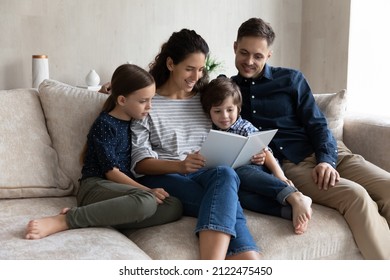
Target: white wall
369, 60
81, 35
324, 52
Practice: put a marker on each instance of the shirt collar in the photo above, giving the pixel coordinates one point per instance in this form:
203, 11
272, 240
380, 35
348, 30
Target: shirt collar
236, 124
233, 126
267, 74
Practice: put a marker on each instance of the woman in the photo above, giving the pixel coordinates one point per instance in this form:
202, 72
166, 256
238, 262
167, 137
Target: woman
165, 146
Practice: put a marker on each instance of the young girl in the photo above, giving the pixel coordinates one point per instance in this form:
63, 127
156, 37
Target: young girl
108, 194
221, 100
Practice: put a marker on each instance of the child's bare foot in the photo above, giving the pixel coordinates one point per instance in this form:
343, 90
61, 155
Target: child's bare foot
43, 227
301, 208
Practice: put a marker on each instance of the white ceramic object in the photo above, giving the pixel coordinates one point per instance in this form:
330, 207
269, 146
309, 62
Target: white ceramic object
92, 79
40, 69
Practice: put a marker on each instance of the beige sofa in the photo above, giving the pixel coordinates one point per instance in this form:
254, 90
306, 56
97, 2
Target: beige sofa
42, 134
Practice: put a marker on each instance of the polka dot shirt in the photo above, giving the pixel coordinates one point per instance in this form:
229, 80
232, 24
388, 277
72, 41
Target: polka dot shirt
109, 146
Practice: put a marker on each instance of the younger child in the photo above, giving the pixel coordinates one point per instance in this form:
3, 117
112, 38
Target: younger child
108, 194
264, 189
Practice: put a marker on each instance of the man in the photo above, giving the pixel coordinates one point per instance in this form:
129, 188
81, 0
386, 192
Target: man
320, 167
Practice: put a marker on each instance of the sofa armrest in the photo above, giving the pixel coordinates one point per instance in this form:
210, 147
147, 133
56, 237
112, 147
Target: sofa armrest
369, 136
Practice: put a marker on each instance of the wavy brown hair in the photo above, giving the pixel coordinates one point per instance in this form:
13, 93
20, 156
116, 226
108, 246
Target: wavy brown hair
178, 47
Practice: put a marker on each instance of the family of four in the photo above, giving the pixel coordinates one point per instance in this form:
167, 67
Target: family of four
166, 176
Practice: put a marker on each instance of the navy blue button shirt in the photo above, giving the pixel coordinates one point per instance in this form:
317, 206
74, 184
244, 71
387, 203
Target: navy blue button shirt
109, 146
281, 98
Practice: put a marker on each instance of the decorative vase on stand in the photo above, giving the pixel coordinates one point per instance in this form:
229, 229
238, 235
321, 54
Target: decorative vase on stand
92, 79
40, 69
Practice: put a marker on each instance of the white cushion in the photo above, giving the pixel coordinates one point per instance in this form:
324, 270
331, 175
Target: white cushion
69, 112
28, 163
333, 105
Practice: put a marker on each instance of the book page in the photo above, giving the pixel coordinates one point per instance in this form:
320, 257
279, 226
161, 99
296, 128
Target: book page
256, 142
222, 148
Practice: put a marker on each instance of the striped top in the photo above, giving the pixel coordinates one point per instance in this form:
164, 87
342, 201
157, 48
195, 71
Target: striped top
173, 129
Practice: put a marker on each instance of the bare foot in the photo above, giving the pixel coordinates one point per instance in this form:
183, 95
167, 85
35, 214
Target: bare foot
43, 227
301, 208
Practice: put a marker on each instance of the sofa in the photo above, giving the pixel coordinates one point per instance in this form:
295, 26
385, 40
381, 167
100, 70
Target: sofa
42, 134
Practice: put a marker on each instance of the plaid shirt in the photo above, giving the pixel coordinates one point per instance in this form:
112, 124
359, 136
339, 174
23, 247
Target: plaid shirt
241, 127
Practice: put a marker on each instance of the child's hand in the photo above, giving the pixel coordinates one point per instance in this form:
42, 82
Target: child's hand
259, 158
289, 182
285, 179
160, 194
192, 163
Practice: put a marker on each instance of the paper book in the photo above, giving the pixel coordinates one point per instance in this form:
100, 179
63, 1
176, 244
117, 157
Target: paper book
225, 148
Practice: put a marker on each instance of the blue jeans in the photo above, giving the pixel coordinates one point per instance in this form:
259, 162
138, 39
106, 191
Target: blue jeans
212, 196
262, 192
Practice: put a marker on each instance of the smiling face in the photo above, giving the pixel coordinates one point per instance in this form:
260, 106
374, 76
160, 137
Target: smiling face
185, 74
224, 115
252, 54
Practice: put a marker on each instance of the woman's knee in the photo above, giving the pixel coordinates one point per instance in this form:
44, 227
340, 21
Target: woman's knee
228, 173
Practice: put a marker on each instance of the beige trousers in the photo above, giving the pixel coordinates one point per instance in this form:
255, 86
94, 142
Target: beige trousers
362, 196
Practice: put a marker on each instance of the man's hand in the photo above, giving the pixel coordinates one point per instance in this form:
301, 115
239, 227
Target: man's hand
325, 176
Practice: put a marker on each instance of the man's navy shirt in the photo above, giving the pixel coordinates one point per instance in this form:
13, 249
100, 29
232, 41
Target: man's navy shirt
281, 98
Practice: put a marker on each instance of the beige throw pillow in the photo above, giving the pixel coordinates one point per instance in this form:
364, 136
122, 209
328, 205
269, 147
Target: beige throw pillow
69, 112
28, 163
334, 106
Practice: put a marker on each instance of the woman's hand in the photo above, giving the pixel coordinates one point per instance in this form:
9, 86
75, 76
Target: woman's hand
160, 194
259, 158
192, 163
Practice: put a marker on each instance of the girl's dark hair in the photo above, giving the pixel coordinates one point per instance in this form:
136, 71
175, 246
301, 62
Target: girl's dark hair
256, 27
126, 79
178, 47
217, 91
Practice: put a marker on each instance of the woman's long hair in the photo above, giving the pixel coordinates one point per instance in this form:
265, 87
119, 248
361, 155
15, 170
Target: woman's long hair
178, 47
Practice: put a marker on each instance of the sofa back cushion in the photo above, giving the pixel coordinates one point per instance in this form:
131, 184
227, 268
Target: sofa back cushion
69, 113
29, 164
334, 106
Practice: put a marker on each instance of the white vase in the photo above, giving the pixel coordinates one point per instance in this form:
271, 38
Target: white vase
40, 69
92, 79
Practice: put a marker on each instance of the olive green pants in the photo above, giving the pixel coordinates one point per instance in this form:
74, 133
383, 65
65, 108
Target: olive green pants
362, 196
105, 203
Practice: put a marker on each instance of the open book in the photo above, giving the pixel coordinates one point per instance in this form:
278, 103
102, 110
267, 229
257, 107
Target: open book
225, 148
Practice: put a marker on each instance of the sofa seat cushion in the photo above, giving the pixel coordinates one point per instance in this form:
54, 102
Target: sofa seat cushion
328, 237
76, 244
29, 164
